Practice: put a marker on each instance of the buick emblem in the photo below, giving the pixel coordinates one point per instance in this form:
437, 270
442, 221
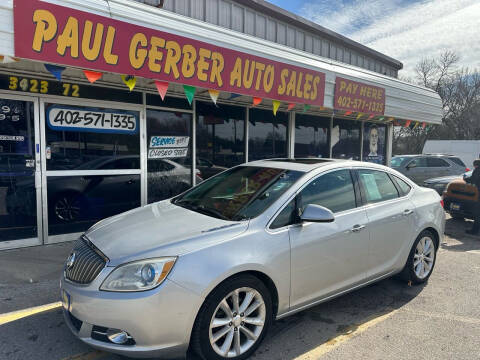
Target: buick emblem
71, 260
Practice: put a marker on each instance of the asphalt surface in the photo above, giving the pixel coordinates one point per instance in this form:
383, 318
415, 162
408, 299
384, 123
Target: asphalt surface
388, 320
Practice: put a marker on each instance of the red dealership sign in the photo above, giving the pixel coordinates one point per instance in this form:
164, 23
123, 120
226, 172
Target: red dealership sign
61, 35
359, 97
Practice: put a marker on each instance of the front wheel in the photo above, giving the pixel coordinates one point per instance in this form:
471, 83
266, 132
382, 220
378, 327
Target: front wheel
421, 260
233, 320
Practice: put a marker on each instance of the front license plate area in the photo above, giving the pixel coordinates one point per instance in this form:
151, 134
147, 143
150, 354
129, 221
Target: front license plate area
66, 300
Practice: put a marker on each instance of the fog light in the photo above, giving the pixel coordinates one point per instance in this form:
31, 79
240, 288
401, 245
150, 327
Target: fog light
118, 337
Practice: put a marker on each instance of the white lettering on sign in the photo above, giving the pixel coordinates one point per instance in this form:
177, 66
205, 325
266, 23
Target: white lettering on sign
92, 120
169, 141
167, 153
12, 138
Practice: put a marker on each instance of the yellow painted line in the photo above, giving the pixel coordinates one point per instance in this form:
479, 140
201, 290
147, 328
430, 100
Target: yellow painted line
20, 314
349, 333
93, 355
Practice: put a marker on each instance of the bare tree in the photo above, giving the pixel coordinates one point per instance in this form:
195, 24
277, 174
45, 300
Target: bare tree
459, 90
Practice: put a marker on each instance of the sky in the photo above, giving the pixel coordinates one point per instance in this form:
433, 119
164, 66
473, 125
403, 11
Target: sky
407, 30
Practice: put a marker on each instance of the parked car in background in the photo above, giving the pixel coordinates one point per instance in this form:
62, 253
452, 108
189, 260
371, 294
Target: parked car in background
460, 198
420, 168
466, 150
440, 184
213, 267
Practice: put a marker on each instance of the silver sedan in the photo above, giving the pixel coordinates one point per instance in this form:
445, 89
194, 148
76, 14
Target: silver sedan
212, 268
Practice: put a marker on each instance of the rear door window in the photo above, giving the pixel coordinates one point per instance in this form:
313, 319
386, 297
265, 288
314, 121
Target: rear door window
458, 161
437, 162
377, 186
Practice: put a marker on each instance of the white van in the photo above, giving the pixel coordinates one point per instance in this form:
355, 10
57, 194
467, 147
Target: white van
466, 150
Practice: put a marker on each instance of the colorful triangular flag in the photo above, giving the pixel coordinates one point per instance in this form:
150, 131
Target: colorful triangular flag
407, 123
189, 92
382, 118
291, 106
359, 116
424, 125
416, 125
130, 81
276, 105
162, 87
233, 96
371, 117
55, 71
8, 59
347, 113
214, 94
257, 101
306, 107
92, 76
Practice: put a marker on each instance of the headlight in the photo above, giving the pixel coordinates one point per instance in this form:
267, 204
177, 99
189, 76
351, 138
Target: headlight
139, 276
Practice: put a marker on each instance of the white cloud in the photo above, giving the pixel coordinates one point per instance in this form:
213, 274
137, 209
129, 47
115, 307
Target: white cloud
407, 32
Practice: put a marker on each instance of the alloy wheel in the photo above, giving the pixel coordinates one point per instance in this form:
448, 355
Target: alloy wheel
67, 209
237, 322
424, 257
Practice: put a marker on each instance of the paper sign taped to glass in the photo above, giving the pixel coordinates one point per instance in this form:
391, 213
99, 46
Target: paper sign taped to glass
169, 141
167, 153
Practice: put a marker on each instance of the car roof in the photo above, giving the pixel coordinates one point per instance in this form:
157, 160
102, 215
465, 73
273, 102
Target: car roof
426, 155
309, 164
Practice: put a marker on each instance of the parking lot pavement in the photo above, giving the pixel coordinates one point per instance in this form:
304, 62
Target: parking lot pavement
388, 320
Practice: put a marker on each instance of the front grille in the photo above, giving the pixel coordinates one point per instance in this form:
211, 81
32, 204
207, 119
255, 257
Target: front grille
87, 264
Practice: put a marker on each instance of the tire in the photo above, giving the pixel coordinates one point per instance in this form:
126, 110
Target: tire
232, 327
67, 207
411, 271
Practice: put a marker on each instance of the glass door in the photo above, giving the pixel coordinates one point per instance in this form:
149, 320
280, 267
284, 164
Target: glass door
20, 181
92, 168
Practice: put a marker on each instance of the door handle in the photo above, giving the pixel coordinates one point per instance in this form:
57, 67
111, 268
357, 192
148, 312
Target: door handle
408, 212
358, 228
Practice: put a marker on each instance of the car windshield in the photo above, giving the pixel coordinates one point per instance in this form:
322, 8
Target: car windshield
241, 193
398, 161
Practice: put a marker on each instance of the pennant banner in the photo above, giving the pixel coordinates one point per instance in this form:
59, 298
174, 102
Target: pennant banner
130, 81
348, 113
407, 123
55, 71
424, 125
276, 105
257, 101
291, 106
189, 92
162, 87
92, 76
359, 116
214, 94
306, 107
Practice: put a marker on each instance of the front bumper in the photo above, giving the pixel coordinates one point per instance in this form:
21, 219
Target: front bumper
160, 320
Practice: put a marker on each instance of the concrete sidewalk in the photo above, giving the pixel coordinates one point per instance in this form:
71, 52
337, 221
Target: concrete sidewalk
30, 276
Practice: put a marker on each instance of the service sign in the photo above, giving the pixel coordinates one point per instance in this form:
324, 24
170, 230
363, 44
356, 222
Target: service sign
61, 35
65, 118
169, 141
359, 97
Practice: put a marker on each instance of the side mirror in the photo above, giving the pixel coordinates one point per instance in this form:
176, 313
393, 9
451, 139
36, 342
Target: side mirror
317, 213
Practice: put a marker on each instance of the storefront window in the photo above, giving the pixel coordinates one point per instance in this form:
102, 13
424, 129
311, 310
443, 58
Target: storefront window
86, 138
267, 135
220, 138
346, 139
18, 204
311, 136
169, 153
374, 140
75, 203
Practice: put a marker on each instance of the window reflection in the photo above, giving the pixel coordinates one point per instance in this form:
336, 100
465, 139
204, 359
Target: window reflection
220, 138
311, 136
77, 202
346, 139
81, 147
169, 170
267, 134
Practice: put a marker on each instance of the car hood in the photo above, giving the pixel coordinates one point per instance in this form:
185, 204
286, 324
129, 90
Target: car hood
159, 229
443, 179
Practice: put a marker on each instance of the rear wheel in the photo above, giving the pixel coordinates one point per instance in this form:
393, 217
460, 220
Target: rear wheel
421, 260
233, 320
